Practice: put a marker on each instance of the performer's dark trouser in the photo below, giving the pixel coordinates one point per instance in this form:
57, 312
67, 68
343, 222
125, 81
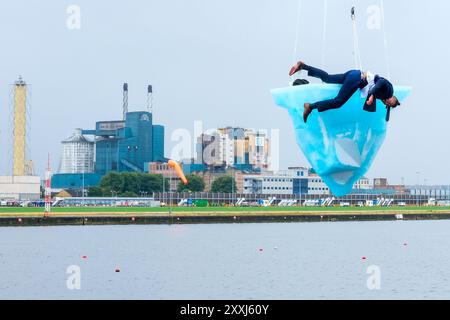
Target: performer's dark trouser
350, 81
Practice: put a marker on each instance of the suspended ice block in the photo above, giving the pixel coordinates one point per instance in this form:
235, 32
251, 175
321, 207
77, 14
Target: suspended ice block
340, 144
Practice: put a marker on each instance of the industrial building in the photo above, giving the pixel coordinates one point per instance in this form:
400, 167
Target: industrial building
22, 185
77, 154
20, 188
209, 175
75, 180
170, 177
126, 145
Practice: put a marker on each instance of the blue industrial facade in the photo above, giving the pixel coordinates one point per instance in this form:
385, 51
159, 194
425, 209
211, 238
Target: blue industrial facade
126, 146
158, 143
75, 180
136, 147
121, 146
189, 168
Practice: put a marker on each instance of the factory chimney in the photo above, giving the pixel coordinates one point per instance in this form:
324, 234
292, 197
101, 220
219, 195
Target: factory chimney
150, 99
19, 134
125, 100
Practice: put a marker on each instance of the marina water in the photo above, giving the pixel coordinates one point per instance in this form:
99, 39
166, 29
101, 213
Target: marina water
229, 261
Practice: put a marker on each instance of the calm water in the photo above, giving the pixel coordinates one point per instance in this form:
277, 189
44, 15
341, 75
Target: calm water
301, 260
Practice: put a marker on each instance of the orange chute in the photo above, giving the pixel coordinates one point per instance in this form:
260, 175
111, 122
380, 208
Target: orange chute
174, 165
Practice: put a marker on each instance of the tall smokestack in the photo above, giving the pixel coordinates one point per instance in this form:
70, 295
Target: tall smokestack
125, 100
20, 119
150, 99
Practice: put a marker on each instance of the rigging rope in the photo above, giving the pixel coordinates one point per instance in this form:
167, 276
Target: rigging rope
356, 48
324, 35
297, 31
386, 47
356, 51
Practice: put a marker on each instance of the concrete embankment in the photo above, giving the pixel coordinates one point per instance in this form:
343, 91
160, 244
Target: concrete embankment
105, 218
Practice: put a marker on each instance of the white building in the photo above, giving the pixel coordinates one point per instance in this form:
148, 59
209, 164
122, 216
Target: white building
77, 154
363, 184
20, 187
299, 172
295, 180
267, 184
316, 186
233, 146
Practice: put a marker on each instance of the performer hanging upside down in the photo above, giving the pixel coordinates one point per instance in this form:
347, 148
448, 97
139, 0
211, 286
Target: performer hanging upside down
372, 87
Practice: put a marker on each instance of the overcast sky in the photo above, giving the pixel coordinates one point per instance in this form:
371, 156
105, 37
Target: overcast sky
215, 61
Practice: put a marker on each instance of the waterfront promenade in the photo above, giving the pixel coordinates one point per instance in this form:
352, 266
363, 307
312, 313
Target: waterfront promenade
185, 215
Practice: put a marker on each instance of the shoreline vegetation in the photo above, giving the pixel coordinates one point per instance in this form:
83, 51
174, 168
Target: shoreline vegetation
191, 215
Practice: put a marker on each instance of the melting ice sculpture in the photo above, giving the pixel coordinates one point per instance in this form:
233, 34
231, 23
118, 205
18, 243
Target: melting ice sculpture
340, 144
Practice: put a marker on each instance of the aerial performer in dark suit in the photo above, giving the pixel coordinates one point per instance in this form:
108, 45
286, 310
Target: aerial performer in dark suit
372, 87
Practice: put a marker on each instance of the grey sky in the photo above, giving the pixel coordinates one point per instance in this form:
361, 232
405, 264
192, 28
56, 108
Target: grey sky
216, 61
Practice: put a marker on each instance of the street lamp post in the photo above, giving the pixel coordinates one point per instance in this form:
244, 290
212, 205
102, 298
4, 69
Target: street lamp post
164, 187
83, 188
170, 193
418, 187
114, 195
232, 185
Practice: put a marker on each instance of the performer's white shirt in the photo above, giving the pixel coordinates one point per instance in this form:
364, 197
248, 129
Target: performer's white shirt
371, 84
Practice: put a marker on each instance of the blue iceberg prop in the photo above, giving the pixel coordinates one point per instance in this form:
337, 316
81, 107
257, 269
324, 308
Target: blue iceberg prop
340, 144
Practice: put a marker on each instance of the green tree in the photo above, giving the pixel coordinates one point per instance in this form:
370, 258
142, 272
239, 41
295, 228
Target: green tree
152, 183
131, 182
95, 192
113, 181
195, 184
225, 184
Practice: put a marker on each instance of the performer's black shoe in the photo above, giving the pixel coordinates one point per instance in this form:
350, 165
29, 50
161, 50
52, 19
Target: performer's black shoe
307, 111
298, 67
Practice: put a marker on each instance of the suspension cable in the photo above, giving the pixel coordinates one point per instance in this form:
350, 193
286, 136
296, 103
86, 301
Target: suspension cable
356, 50
297, 32
386, 47
324, 35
